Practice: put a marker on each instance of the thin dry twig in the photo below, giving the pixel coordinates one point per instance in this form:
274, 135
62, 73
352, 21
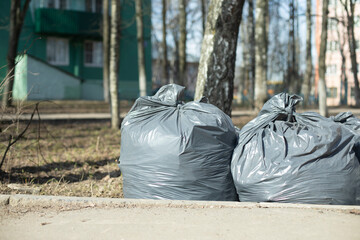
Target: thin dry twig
13, 140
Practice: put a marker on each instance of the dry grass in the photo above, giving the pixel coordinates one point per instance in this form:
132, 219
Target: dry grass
78, 159
62, 158
69, 159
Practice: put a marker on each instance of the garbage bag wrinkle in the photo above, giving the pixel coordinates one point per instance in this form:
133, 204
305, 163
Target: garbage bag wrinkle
171, 93
176, 150
304, 158
348, 120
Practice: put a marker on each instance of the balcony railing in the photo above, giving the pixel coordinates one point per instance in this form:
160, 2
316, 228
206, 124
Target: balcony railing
67, 22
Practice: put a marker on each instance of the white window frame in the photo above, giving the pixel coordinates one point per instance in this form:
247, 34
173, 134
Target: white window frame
96, 54
332, 3
332, 46
357, 21
57, 47
332, 24
332, 92
331, 69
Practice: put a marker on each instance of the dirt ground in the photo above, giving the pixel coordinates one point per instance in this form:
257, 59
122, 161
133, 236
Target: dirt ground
65, 158
70, 159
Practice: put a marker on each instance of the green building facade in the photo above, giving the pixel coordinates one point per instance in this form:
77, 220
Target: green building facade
60, 50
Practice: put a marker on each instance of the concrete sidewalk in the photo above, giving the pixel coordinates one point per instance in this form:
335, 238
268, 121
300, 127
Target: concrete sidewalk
49, 217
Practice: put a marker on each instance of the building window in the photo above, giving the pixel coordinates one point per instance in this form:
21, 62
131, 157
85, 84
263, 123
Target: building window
58, 4
331, 69
98, 6
88, 5
331, 92
93, 54
93, 6
57, 51
332, 24
357, 21
332, 2
51, 4
332, 46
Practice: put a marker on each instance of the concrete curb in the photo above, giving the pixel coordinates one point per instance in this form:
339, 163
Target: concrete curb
4, 200
30, 201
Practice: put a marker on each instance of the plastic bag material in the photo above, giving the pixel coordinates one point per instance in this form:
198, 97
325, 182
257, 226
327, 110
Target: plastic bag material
349, 120
353, 123
284, 156
172, 150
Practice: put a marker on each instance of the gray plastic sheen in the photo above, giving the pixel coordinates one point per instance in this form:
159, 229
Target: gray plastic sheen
352, 123
172, 150
283, 156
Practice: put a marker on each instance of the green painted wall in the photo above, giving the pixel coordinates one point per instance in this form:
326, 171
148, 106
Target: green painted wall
67, 22
35, 45
4, 36
38, 80
21, 71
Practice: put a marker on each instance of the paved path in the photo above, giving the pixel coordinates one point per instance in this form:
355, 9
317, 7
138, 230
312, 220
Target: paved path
107, 116
35, 217
60, 116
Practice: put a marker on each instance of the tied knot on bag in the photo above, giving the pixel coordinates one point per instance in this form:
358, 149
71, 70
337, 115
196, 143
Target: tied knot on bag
171, 94
342, 117
290, 101
281, 106
290, 112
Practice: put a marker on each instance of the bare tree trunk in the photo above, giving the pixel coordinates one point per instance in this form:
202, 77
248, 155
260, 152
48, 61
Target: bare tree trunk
218, 52
322, 58
106, 45
251, 34
182, 43
245, 63
352, 45
175, 61
245, 66
297, 79
343, 77
140, 43
114, 63
165, 61
291, 51
17, 16
203, 14
306, 85
261, 42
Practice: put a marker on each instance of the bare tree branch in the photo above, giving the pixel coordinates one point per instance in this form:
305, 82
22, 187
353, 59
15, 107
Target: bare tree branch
12, 142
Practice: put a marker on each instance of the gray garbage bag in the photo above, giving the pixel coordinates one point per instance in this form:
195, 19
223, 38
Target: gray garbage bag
352, 123
172, 150
349, 120
284, 156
